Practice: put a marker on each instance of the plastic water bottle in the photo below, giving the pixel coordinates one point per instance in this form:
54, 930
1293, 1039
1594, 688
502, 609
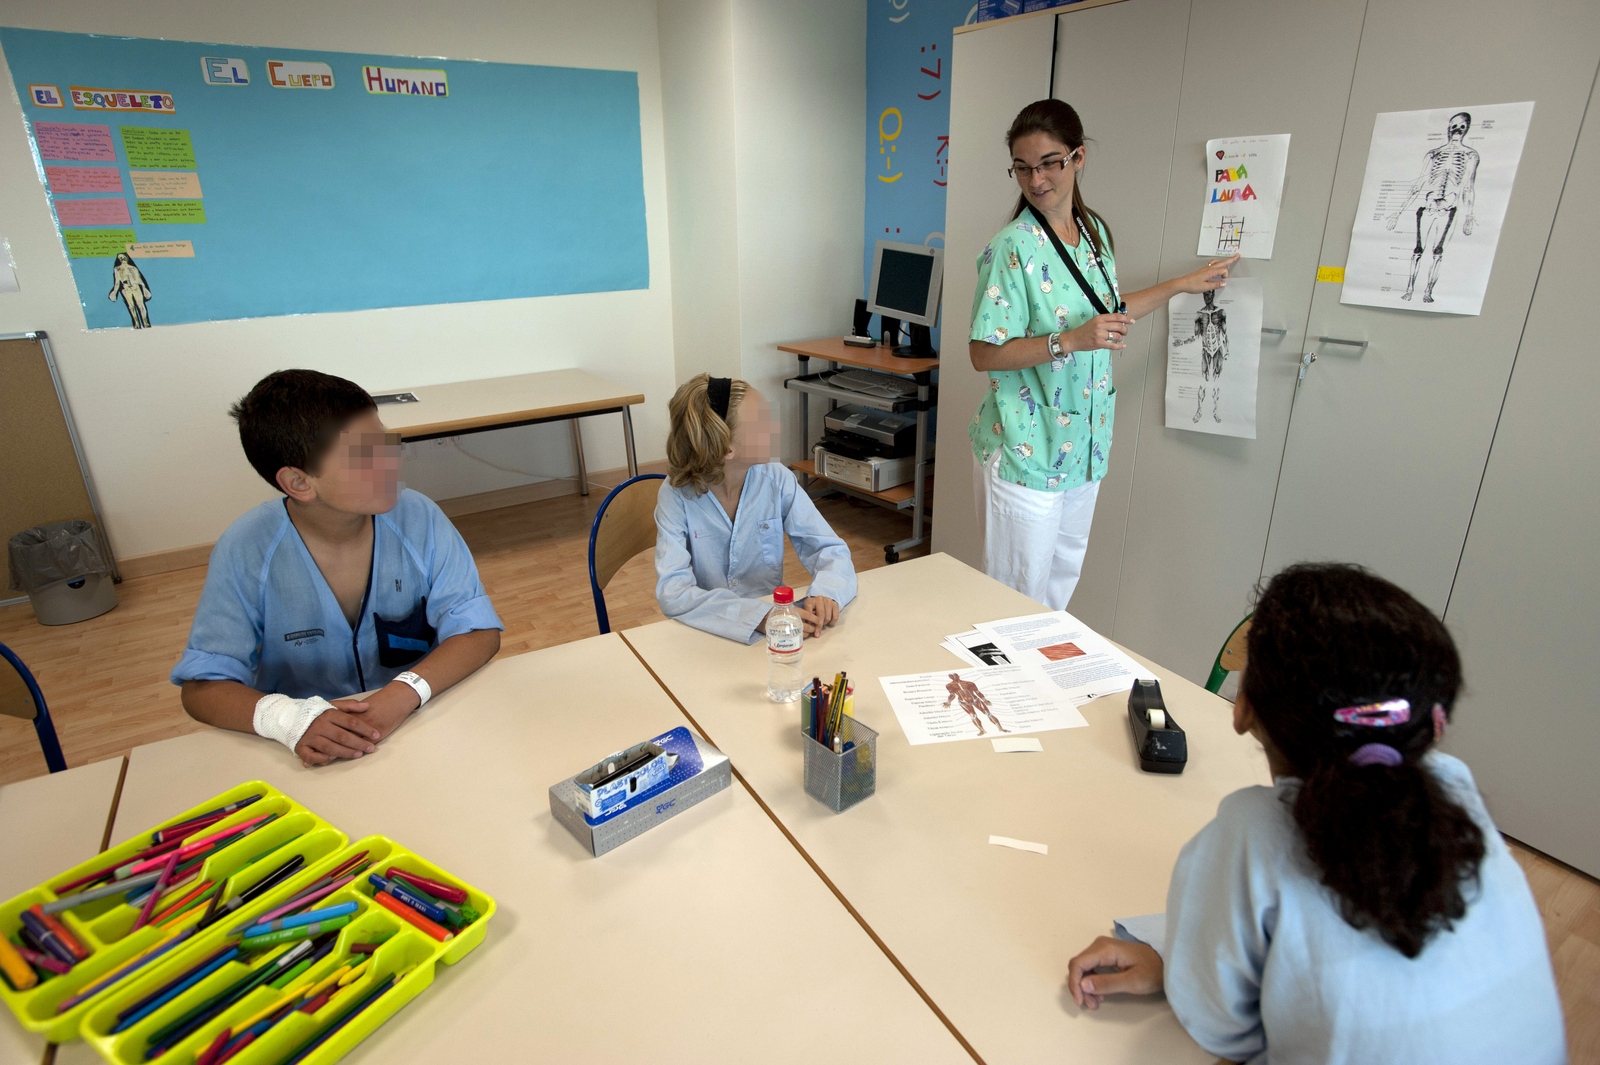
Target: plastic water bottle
785, 644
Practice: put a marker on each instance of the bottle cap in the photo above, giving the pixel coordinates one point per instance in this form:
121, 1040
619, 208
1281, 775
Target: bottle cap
783, 594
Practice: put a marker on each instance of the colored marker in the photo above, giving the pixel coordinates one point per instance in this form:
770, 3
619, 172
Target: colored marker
409, 897
304, 899
189, 850
72, 902
45, 937
401, 910
261, 887
189, 827
289, 935
20, 976
44, 961
446, 892
309, 917
138, 961
155, 892
135, 1014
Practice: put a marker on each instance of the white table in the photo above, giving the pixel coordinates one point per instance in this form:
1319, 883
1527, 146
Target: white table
463, 407
706, 939
987, 932
49, 824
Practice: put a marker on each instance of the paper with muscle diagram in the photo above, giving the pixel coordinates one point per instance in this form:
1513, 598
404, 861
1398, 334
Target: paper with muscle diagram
987, 701
1079, 662
1214, 359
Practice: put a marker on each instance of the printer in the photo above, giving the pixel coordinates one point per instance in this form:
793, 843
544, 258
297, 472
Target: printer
862, 433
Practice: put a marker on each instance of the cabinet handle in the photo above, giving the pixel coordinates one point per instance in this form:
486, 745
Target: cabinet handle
1305, 364
1279, 333
1362, 344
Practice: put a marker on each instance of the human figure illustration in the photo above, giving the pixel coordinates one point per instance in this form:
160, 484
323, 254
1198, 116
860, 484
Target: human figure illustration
1211, 329
972, 700
127, 281
1445, 187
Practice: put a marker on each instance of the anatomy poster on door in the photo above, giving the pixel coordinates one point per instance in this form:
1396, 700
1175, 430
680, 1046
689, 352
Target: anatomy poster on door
1213, 358
1242, 195
1432, 202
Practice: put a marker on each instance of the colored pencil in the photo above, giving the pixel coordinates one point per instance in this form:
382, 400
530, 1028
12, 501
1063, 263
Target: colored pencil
127, 968
236, 1046
327, 1033
190, 896
198, 1016
209, 1055
134, 1014
155, 892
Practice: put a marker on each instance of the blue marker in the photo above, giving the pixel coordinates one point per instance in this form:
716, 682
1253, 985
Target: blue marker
433, 913
309, 917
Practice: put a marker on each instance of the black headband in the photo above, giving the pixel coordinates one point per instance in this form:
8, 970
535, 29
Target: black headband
718, 389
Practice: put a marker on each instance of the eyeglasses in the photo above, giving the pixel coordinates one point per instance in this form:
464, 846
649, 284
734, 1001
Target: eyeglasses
1023, 173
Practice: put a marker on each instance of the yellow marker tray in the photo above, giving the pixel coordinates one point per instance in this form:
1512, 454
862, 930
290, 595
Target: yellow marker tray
103, 927
407, 953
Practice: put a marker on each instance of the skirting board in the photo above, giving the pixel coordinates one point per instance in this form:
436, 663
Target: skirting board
599, 480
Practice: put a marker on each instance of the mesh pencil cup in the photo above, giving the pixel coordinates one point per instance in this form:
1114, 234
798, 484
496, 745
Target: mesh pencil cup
839, 781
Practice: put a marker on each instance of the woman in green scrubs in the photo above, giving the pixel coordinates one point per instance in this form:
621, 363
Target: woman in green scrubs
1046, 316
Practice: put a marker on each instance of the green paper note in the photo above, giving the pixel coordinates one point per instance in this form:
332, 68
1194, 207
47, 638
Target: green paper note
172, 211
96, 243
166, 148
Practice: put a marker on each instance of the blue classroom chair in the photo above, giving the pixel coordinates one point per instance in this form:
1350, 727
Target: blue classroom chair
17, 704
624, 525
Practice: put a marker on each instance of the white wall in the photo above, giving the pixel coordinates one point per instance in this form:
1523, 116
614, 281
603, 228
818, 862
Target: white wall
765, 174
151, 406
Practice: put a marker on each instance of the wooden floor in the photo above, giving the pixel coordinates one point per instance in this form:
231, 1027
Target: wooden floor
106, 679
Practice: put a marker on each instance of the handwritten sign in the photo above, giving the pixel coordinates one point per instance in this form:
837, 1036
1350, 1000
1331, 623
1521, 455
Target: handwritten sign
96, 243
99, 212
83, 178
74, 142
168, 148
164, 185
172, 211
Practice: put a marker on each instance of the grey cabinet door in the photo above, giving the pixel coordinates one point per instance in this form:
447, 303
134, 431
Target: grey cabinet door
1524, 609
1199, 510
1386, 447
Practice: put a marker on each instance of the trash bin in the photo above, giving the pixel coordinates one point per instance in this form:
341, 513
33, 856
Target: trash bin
66, 571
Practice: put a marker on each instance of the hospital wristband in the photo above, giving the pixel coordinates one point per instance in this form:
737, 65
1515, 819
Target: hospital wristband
420, 686
285, 719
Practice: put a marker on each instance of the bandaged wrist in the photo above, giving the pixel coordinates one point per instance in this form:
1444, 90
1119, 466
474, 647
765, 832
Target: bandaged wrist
285, 719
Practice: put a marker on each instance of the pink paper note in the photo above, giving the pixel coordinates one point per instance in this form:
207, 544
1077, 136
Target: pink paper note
106, 212
84, 178
74, 141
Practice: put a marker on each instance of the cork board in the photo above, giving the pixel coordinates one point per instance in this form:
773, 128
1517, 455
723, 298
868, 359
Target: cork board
38, 464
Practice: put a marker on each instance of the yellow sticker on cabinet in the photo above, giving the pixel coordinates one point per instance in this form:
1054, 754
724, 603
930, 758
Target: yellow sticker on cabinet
1334, 274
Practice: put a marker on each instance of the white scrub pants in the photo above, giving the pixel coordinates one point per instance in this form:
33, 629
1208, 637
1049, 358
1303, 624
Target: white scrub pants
1033, 541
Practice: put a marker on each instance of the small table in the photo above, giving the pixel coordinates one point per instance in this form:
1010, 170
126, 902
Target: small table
987, 932
708, 938
882, 358
51, 823
464, 407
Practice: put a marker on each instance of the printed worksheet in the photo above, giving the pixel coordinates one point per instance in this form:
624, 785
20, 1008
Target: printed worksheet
1077, 661
1242, 195
986, 702
1432, 202
1214, 359
975, 649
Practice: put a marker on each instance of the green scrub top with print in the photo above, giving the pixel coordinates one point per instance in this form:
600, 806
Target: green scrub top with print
1052, 423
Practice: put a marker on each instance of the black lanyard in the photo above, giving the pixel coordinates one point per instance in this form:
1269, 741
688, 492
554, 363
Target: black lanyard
1072, 267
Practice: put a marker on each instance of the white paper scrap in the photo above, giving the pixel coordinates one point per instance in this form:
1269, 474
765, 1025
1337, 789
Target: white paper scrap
1019, 844
987, 701
1019, 745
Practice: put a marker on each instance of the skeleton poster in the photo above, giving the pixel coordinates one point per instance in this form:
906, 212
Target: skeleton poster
1213, 355
1242, 194
1432, 202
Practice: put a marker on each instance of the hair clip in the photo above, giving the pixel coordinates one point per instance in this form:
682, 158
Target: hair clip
1386, 714
1376, 754
1439, 722
719, 390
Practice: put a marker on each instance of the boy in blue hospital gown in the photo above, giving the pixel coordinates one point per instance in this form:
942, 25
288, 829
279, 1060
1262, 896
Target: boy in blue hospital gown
346, 584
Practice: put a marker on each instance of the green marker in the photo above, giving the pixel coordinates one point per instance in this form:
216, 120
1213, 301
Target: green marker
289, 935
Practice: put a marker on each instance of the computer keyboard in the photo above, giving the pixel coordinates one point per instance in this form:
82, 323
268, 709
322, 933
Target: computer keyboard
871, 383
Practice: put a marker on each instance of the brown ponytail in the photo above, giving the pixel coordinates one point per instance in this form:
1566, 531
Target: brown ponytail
1395, 848
697, 439
1058, 119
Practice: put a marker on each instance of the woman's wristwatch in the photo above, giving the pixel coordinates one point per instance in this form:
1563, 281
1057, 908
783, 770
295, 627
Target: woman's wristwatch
1056, 354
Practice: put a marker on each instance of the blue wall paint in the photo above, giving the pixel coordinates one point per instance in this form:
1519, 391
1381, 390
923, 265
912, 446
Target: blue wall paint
908, 120
524, 181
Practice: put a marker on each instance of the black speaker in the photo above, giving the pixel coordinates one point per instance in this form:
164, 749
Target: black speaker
890, 330
863, 321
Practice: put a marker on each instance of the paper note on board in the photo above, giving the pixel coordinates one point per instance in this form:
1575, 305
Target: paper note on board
75, 142
162, 249
96, 243
168, 148
1214, 359
98, 212
984, 702
172, 211
1244, 186
83, 178
165, 185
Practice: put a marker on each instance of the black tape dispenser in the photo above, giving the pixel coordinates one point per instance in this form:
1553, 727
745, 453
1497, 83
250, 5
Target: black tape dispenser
1160, 741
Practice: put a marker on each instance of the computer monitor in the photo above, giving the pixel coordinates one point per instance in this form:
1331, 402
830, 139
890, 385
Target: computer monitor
906, 279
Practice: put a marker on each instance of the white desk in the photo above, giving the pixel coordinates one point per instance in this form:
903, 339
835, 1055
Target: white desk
49, 824
986, 931
706, 939
502, 402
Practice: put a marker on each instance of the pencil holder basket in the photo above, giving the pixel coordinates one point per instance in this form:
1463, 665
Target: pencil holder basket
839, 781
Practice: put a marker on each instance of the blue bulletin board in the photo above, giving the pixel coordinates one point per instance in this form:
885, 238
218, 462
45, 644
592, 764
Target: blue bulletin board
252, 182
